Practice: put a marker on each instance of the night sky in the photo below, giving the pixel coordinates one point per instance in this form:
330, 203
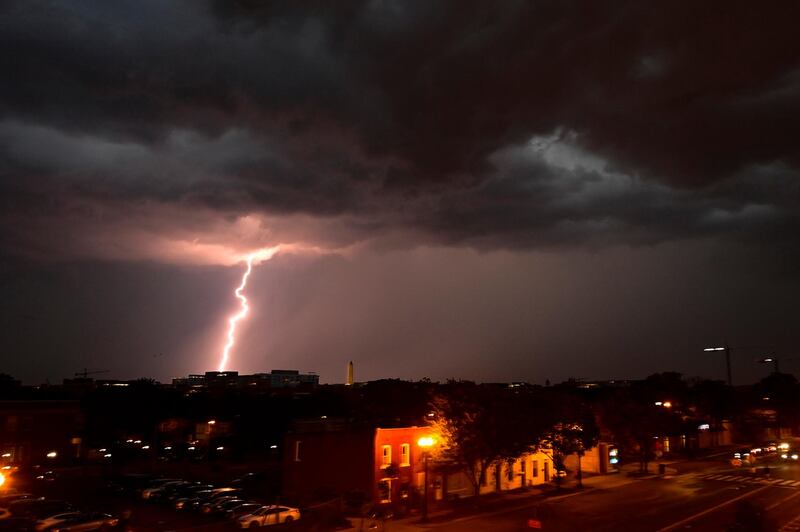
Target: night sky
523, 190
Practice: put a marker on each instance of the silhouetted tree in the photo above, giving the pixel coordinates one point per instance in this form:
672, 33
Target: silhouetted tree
573, 433
481, 426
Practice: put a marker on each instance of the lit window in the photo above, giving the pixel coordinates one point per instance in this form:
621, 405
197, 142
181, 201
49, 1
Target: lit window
297, 451
386, 459
405, 454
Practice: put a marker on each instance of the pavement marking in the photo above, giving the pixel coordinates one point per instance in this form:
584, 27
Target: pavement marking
707, 511
776, 504
777, 482
791, 526
529, 504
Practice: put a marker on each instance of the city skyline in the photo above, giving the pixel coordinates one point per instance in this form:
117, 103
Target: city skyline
496, 193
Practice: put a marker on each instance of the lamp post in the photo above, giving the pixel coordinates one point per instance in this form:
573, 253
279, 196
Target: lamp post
727, 350
210, 423
767, 360
425, 443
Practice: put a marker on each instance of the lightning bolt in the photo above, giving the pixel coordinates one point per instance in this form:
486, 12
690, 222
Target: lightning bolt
233, 320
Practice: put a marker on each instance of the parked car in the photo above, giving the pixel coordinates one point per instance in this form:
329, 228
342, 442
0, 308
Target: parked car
185, 491
242, 509
164, 492
157, 485
45, 523
197, 500
88, 522
38, 508
214, 505
269, 515
6, 500
224, 506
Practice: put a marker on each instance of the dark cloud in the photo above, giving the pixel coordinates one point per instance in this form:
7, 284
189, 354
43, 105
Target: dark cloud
410, 114
441, 150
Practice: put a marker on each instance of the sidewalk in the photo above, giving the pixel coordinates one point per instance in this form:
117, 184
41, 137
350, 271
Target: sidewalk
505, 502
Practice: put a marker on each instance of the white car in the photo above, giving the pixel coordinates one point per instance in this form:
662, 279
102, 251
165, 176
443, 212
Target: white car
269, 515
48, 522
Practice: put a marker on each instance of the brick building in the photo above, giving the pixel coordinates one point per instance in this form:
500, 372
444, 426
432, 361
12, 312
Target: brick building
326, 459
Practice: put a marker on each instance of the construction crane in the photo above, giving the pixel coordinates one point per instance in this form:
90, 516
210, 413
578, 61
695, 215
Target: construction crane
85, 373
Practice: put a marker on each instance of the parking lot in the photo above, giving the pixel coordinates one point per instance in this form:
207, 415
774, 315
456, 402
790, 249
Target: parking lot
122, 497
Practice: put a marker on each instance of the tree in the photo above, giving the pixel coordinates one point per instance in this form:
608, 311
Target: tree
481, 426
637, 422
573, 433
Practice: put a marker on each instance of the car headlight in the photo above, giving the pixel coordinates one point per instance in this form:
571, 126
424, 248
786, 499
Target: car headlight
784, 456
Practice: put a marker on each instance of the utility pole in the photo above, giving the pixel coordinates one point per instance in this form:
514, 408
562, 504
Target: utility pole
728, 363
727, 350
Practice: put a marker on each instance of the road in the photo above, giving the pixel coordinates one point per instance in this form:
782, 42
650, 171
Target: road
697, 495
702, 496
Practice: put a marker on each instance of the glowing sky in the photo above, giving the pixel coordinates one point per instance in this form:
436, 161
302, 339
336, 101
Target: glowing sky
542, 190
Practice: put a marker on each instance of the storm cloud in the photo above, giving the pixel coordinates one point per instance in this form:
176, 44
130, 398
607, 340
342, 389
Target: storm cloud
188, 133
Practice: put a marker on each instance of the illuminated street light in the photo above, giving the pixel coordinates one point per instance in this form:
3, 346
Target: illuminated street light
212, 422
726, 348
2, 480
426, 442
768, 360
52, 454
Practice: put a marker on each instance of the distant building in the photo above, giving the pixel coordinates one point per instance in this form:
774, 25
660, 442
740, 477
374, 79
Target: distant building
40, 432
277, 378
284, 378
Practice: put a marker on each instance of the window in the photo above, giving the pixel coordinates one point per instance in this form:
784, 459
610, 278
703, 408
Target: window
297, 450
385, 490
386, 459
535, 468
405, 454
510, 471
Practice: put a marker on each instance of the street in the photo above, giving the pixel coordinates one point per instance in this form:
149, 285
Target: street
710, 497
695, 495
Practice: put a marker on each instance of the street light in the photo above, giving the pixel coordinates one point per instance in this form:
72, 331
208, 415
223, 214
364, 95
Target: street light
426, 442
727, 350
767, 360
